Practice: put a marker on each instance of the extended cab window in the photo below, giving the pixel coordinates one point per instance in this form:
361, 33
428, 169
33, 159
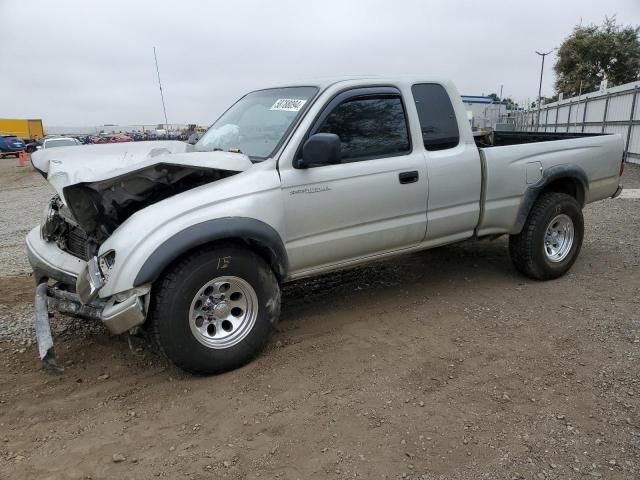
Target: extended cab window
369, 127
437, 118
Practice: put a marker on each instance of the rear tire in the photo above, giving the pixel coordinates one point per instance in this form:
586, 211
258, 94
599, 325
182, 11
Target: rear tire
214, 309
551, 238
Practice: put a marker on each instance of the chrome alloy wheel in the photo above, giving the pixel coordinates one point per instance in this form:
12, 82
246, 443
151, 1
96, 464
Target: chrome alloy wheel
223, 312
558, 238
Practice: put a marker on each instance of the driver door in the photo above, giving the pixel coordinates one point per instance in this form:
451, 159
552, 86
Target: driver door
373, 202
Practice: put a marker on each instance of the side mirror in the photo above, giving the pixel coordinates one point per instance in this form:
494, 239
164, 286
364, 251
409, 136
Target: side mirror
320, 149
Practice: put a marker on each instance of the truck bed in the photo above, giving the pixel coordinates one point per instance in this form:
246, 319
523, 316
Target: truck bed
517, 161
503, 138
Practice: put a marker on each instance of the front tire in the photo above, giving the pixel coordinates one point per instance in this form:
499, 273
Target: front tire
551, 238
214, 310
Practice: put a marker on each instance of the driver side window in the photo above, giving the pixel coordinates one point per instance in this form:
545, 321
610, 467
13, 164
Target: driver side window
369, 127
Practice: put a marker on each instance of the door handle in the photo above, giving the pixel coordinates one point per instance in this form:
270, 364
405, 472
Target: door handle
408, 177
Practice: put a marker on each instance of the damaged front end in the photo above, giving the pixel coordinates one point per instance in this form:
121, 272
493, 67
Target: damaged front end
94, 210
64, 251
117, 316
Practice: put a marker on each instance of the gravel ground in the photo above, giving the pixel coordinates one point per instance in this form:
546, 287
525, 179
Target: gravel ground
23, 197
443, 364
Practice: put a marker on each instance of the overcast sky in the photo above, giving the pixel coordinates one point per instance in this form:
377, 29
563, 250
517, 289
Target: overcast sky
79, 63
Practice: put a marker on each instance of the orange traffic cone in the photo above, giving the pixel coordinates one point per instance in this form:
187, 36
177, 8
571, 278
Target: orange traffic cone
22, 158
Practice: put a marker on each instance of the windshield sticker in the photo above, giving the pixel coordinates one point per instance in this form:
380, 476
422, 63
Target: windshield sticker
288, 104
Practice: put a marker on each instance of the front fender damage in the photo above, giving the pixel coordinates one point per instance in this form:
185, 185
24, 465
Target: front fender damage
90, 212
100, 207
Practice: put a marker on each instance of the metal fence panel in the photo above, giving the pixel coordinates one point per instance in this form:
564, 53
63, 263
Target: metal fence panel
563, 114
634, 143
579, 113
609, 112
619, 108
621, 129
595, 110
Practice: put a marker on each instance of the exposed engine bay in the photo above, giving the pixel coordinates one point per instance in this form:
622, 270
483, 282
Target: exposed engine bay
94, 210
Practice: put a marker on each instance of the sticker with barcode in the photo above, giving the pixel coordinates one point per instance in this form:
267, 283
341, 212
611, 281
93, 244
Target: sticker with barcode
288, 104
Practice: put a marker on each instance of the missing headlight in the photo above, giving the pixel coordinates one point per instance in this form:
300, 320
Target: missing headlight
84, 204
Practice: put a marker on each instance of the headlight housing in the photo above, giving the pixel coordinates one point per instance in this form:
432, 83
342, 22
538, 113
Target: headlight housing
89, 281
51, 225
106, 262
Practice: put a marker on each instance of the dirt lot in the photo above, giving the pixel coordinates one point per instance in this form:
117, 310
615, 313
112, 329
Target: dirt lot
441, 364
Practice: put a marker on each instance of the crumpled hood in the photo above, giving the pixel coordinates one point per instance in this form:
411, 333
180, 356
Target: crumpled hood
64, 166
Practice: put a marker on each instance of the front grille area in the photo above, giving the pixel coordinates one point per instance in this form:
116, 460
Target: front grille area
60, 227
77, 243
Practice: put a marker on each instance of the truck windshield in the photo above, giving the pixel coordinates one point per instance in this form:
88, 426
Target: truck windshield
257, 123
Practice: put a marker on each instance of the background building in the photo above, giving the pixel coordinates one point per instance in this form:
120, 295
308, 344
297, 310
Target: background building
483, 112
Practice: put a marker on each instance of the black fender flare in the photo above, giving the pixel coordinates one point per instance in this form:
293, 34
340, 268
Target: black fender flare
253, 231
549, 176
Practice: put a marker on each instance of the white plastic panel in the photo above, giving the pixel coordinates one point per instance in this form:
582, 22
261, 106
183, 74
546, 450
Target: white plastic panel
621, 129
577, 112
619, 107
595, 110
563, 114
634, 144
550, 119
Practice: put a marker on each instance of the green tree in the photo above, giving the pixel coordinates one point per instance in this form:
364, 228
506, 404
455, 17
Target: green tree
507, 101
590, 53
544, 100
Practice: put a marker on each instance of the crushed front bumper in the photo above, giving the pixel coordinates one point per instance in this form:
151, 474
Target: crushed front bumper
51, 263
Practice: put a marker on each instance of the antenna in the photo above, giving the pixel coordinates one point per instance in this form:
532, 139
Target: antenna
164, 109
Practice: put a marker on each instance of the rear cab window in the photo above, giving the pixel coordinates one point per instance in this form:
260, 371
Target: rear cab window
437, 118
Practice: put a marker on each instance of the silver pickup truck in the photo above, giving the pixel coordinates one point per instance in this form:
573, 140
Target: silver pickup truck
193, 242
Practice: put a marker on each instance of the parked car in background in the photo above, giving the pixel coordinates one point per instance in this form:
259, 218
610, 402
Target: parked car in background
11, 145
115, 138
32, 146
55, 142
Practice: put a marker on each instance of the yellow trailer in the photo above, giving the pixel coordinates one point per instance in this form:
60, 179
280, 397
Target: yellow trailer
27, 129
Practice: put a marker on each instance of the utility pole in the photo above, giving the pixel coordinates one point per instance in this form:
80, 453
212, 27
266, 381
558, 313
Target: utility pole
166, 122
544, 54
500, 105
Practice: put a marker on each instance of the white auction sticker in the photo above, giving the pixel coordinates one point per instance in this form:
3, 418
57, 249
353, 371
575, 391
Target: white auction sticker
288, 104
